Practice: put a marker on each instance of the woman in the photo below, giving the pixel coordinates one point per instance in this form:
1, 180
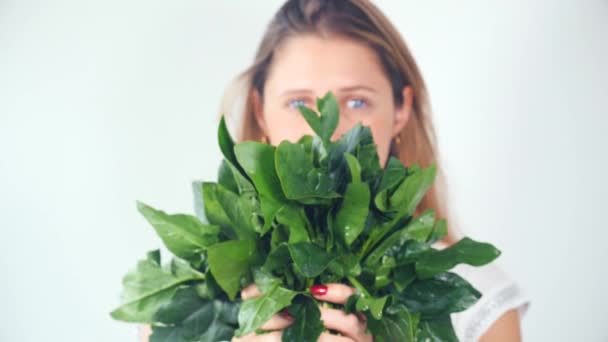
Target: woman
350, 48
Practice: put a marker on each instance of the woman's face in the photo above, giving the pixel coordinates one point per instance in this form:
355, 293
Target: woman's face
306, 67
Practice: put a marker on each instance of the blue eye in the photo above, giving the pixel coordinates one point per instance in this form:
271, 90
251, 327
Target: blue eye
356, 103
297, 103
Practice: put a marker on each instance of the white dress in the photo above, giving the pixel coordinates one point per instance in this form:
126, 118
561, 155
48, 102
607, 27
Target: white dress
500, 293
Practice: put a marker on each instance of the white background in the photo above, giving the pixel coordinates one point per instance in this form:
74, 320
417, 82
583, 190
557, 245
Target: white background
106, 102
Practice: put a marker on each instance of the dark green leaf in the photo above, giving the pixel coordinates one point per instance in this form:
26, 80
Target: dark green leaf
190, 318
398, 324
307, 325
465, 251
418, 229
369, 161
403, 276
410, 252
437, 330
408, 195
352, 142
393, 174
209, 289
439, 296
300, 180
277, 258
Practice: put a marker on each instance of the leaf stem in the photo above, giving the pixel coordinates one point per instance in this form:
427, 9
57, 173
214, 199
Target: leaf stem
309, 282
358, 286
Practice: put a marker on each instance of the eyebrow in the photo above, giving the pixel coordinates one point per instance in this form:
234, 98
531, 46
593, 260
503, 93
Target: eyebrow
343, 89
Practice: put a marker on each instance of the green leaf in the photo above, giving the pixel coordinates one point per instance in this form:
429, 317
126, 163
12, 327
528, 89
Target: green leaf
213, 211
408, 195
255, 312
354, 167
225, 177
240, 179
397, 324
264, 280
300, 180
151, 286
230, 261
392, 175
345, 265
465, 251
403, 276
190, 318
240, 212
439, 296
383, 273
309, 259
230, 163
270, 208
307, 325
184, 235
257, 159
437, 330
369, 161
440, 230
422, 225
418, 229
373, 305
209, 289
225, 141
277, 258
410, 252
294, 218
326, 123
350, 218
353, 142
199, 206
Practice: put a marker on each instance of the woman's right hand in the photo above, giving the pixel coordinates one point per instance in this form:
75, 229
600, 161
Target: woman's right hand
274, 326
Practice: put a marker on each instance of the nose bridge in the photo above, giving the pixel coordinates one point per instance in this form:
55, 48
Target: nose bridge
345, 123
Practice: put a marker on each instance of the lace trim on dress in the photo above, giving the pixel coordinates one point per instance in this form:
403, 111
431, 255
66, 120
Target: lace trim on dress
483, 316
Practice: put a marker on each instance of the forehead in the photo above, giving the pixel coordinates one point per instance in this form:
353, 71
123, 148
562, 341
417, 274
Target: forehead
324, 63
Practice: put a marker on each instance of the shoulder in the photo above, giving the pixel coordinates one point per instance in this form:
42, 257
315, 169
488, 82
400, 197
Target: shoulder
500, 293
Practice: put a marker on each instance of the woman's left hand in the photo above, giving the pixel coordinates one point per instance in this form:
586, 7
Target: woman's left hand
352, 327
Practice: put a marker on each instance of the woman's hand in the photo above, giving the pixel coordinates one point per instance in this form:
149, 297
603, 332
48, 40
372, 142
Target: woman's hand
276, 324
351, 326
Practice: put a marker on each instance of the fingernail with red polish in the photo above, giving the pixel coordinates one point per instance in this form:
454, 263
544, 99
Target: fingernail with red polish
318, 290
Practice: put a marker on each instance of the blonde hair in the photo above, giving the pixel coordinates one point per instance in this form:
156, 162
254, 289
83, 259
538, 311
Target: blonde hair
361, 21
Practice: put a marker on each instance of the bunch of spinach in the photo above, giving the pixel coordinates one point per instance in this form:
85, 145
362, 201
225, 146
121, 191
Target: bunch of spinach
294, 215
